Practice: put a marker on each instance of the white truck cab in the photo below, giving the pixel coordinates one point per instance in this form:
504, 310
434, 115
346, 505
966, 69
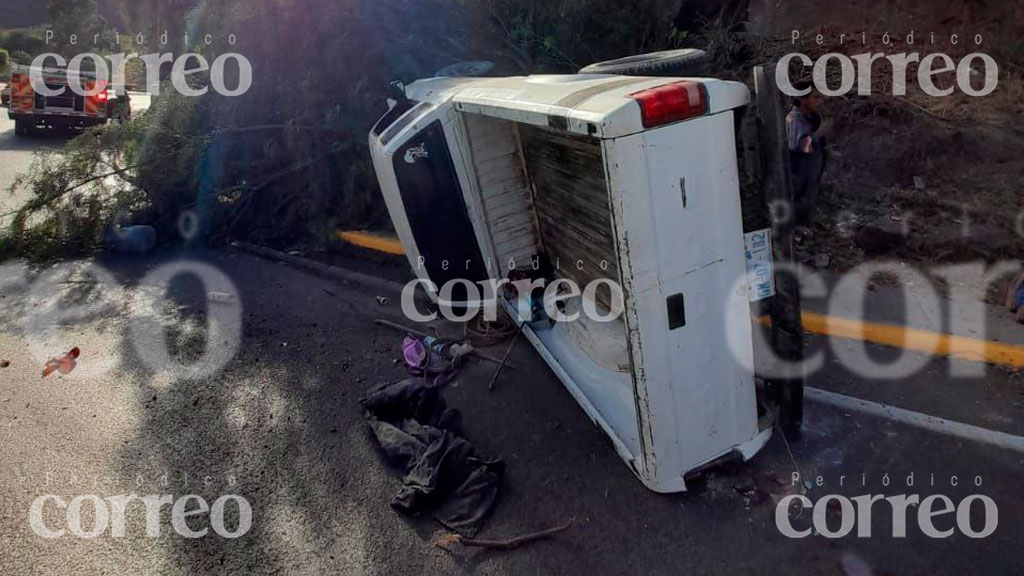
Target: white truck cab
627, 179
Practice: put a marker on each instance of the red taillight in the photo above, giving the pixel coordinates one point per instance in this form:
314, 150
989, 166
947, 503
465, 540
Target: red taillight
671, 103
103, 96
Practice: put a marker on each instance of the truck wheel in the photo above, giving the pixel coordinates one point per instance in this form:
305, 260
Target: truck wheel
785, 308
468, 69
683, 62
19, 128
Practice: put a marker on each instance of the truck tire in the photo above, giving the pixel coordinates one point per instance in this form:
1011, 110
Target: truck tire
468, 69
19, 128
785, 308
685, 62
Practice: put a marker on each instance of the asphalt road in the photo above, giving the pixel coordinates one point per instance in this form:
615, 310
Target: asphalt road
282, 419
279, 425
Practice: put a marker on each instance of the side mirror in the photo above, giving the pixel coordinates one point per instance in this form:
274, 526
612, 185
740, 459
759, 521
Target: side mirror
396, 91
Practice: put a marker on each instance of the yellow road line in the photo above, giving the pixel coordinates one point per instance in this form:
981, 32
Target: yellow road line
372, 241
933, 343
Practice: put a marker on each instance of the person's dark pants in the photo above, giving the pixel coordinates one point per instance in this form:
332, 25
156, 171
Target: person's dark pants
806, 171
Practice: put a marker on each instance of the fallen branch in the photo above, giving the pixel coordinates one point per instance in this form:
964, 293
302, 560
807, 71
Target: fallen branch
38, 203
273, 127
444, 540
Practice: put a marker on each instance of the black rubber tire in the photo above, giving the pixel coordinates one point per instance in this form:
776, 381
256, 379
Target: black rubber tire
19, 128
468, 69
685, 62
787, 339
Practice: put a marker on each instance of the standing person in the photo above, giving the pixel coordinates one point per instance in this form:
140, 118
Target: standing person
806, 131
1015, 298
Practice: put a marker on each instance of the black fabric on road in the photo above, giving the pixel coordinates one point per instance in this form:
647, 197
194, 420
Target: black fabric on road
444, 476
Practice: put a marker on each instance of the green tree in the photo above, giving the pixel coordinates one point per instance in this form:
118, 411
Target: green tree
75, 17
152, 18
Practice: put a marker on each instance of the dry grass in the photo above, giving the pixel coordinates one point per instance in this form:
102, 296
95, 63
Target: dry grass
1004, 106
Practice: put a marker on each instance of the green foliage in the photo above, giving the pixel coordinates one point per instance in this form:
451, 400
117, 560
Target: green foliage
74, 17
23, 44
152, 18
288, 161
77, 194
565, 35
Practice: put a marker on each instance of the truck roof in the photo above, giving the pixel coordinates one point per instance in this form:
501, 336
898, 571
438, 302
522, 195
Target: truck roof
591, 104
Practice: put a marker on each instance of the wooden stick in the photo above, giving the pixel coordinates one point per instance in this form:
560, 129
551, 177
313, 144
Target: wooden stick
513, 542
421, 334
490, 385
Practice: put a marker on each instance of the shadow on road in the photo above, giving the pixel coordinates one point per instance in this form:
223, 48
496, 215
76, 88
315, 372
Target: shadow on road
282, 421
48, 140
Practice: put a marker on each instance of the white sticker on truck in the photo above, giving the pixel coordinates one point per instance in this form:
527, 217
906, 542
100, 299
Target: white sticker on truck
760, 267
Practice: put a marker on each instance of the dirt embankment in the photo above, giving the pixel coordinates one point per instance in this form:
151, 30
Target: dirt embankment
914, 177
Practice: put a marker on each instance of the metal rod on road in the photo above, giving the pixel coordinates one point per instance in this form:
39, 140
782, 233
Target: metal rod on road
504, 360
421, 334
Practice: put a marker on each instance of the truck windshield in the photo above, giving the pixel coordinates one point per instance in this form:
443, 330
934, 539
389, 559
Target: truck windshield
400, 115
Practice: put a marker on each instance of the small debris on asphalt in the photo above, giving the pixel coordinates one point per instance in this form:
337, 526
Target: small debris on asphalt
854, 565
221, 297
5, 363
382, 300
65, 364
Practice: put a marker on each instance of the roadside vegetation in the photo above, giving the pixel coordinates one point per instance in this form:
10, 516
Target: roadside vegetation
287, 163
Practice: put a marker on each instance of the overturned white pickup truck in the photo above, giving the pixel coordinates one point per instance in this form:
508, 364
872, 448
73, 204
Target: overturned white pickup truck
603, 177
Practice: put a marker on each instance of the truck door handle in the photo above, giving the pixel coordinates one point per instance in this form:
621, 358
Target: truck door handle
676, 311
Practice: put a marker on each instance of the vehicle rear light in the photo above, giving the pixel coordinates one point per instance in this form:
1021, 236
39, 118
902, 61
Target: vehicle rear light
103, 96
672, 103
